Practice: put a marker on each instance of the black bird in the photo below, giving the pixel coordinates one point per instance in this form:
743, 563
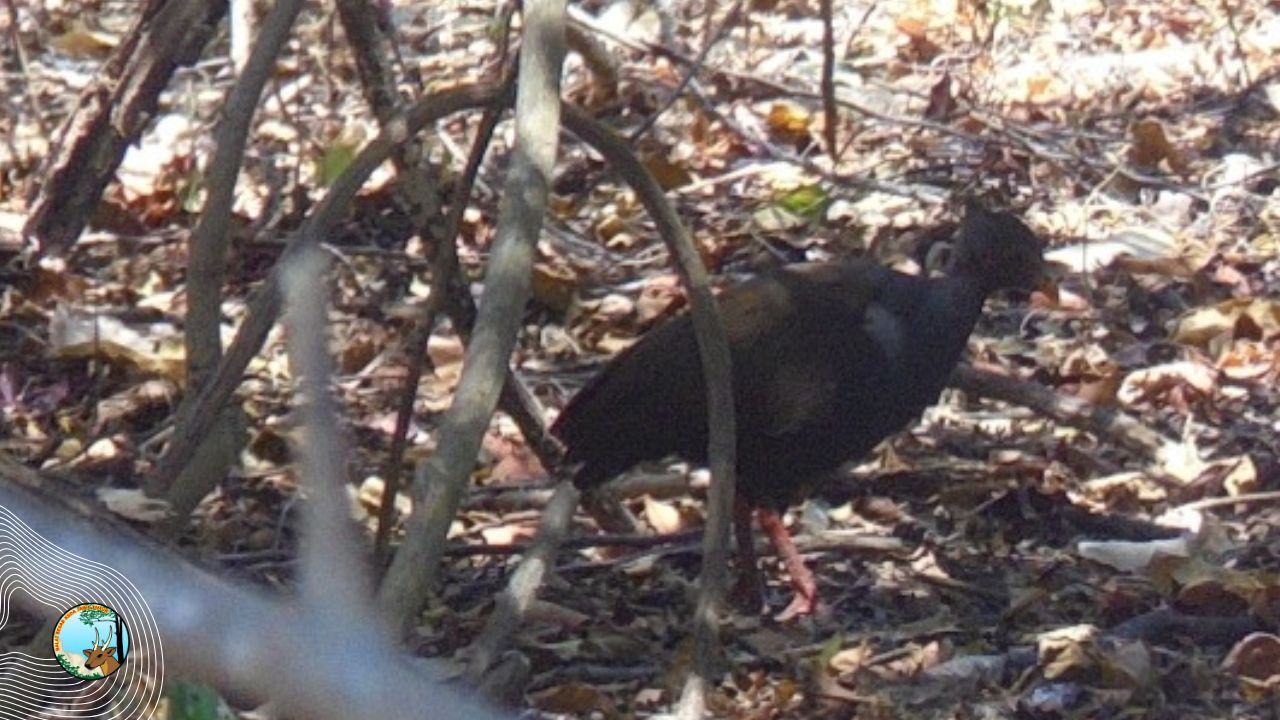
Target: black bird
828, 360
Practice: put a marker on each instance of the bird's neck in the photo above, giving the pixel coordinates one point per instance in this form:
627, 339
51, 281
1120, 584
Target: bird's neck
959, 296
954, 304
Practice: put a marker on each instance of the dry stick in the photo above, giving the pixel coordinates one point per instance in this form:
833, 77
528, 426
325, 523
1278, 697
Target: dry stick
508, 280
522, 589
284, 556
371, 46
519, 402
509, 498
684, 540
1245, 499
207, 269
240, 641
1106, 423
525, 410
443, 274
111, 114
713, 349
1162, 625
416, 349
579, 542
598, 61
827, 541
829, 81
516, 399
264, 306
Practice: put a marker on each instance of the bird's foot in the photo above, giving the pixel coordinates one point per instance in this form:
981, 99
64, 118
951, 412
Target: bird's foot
802, 605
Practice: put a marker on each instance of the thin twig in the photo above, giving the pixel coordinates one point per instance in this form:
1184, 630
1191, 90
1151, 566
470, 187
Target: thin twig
692, 72
208, 267
1245, 499
828, 83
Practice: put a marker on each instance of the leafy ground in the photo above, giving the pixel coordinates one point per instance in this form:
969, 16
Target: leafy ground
1139, 139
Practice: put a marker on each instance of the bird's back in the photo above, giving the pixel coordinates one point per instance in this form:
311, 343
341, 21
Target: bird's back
828, 360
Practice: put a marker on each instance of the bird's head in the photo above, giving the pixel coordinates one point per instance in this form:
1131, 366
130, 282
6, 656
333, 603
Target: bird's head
998, 250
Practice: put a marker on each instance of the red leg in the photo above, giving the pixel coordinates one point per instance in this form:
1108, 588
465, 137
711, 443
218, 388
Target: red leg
806, 590
748, 593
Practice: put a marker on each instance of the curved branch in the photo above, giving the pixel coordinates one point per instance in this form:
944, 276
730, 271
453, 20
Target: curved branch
713, 349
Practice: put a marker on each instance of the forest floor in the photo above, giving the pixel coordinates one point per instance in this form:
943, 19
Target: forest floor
974, 566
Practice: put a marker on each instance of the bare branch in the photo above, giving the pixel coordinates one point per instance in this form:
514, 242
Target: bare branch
207, 272
507, 286
444, 271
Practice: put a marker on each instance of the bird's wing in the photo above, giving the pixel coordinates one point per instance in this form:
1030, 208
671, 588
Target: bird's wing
832, 331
